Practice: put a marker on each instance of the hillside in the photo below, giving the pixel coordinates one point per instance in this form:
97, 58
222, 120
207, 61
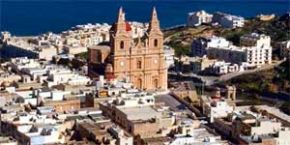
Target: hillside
273, 81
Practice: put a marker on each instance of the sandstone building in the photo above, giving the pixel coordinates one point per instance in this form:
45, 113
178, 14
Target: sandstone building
140, 60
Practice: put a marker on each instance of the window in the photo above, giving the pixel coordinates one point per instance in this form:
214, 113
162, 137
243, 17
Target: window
139, 64
155, 42
155, 83
122, 45
139, 83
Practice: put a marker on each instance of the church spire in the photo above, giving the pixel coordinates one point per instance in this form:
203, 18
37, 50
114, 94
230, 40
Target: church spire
154, 22
120, 25
121, 16
154, 15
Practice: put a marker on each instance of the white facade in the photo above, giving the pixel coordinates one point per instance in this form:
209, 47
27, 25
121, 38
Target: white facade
122, 138
283, 136
5, 36
7, 78
223, 19
231, 21
222, 67
39, 129
127, 95
216, 107
259, 50
199, 136
86, 35
52, 74
265, 127
28, 97
80, 37
169, 56
219, 109
46, 52
255, 55
199, 17
135, 100
45, 136
138, 29
218, 42
58, 76
228, 20
23, 62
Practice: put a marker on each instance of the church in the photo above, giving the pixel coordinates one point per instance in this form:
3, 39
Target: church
141, 60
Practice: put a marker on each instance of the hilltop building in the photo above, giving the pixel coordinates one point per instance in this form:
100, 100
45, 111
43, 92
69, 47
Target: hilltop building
218, 18
228, 20
255, 49
198, 18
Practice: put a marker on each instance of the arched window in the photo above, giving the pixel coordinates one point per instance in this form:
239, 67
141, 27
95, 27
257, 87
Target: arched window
155, 42
139, 83
122, 45
155, 83
139, 64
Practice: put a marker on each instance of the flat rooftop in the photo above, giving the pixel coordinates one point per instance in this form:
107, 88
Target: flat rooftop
173, 104
94, 129
141, 113
4, 140
202, 133
275, 111
101, 47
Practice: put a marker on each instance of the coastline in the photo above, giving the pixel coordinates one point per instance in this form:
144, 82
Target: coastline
50, 17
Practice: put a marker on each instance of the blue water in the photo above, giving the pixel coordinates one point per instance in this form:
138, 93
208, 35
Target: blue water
33, 17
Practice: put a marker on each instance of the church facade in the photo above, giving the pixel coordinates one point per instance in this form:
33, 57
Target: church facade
141, 61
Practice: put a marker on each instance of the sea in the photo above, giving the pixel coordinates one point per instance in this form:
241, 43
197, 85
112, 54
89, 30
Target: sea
34, 17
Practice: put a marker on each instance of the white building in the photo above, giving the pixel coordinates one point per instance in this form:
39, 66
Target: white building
231, 21
222, 67
228, 20
42, 135
74, 49
79, 38
61, 75
54, 95
133, 99
32, 128
46, 52
18, 64
121, 136
169, 56
8, 78
216, 107
47, 39
51, 74
258, 48
138, 29
198, 18
283, 136
254, 52
266, 126
220, 48
5, 36
199, 136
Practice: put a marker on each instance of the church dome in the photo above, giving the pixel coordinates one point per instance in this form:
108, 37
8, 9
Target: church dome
114, 27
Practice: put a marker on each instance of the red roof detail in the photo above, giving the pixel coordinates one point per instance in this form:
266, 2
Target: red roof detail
114, 27
128, 27
215, 97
